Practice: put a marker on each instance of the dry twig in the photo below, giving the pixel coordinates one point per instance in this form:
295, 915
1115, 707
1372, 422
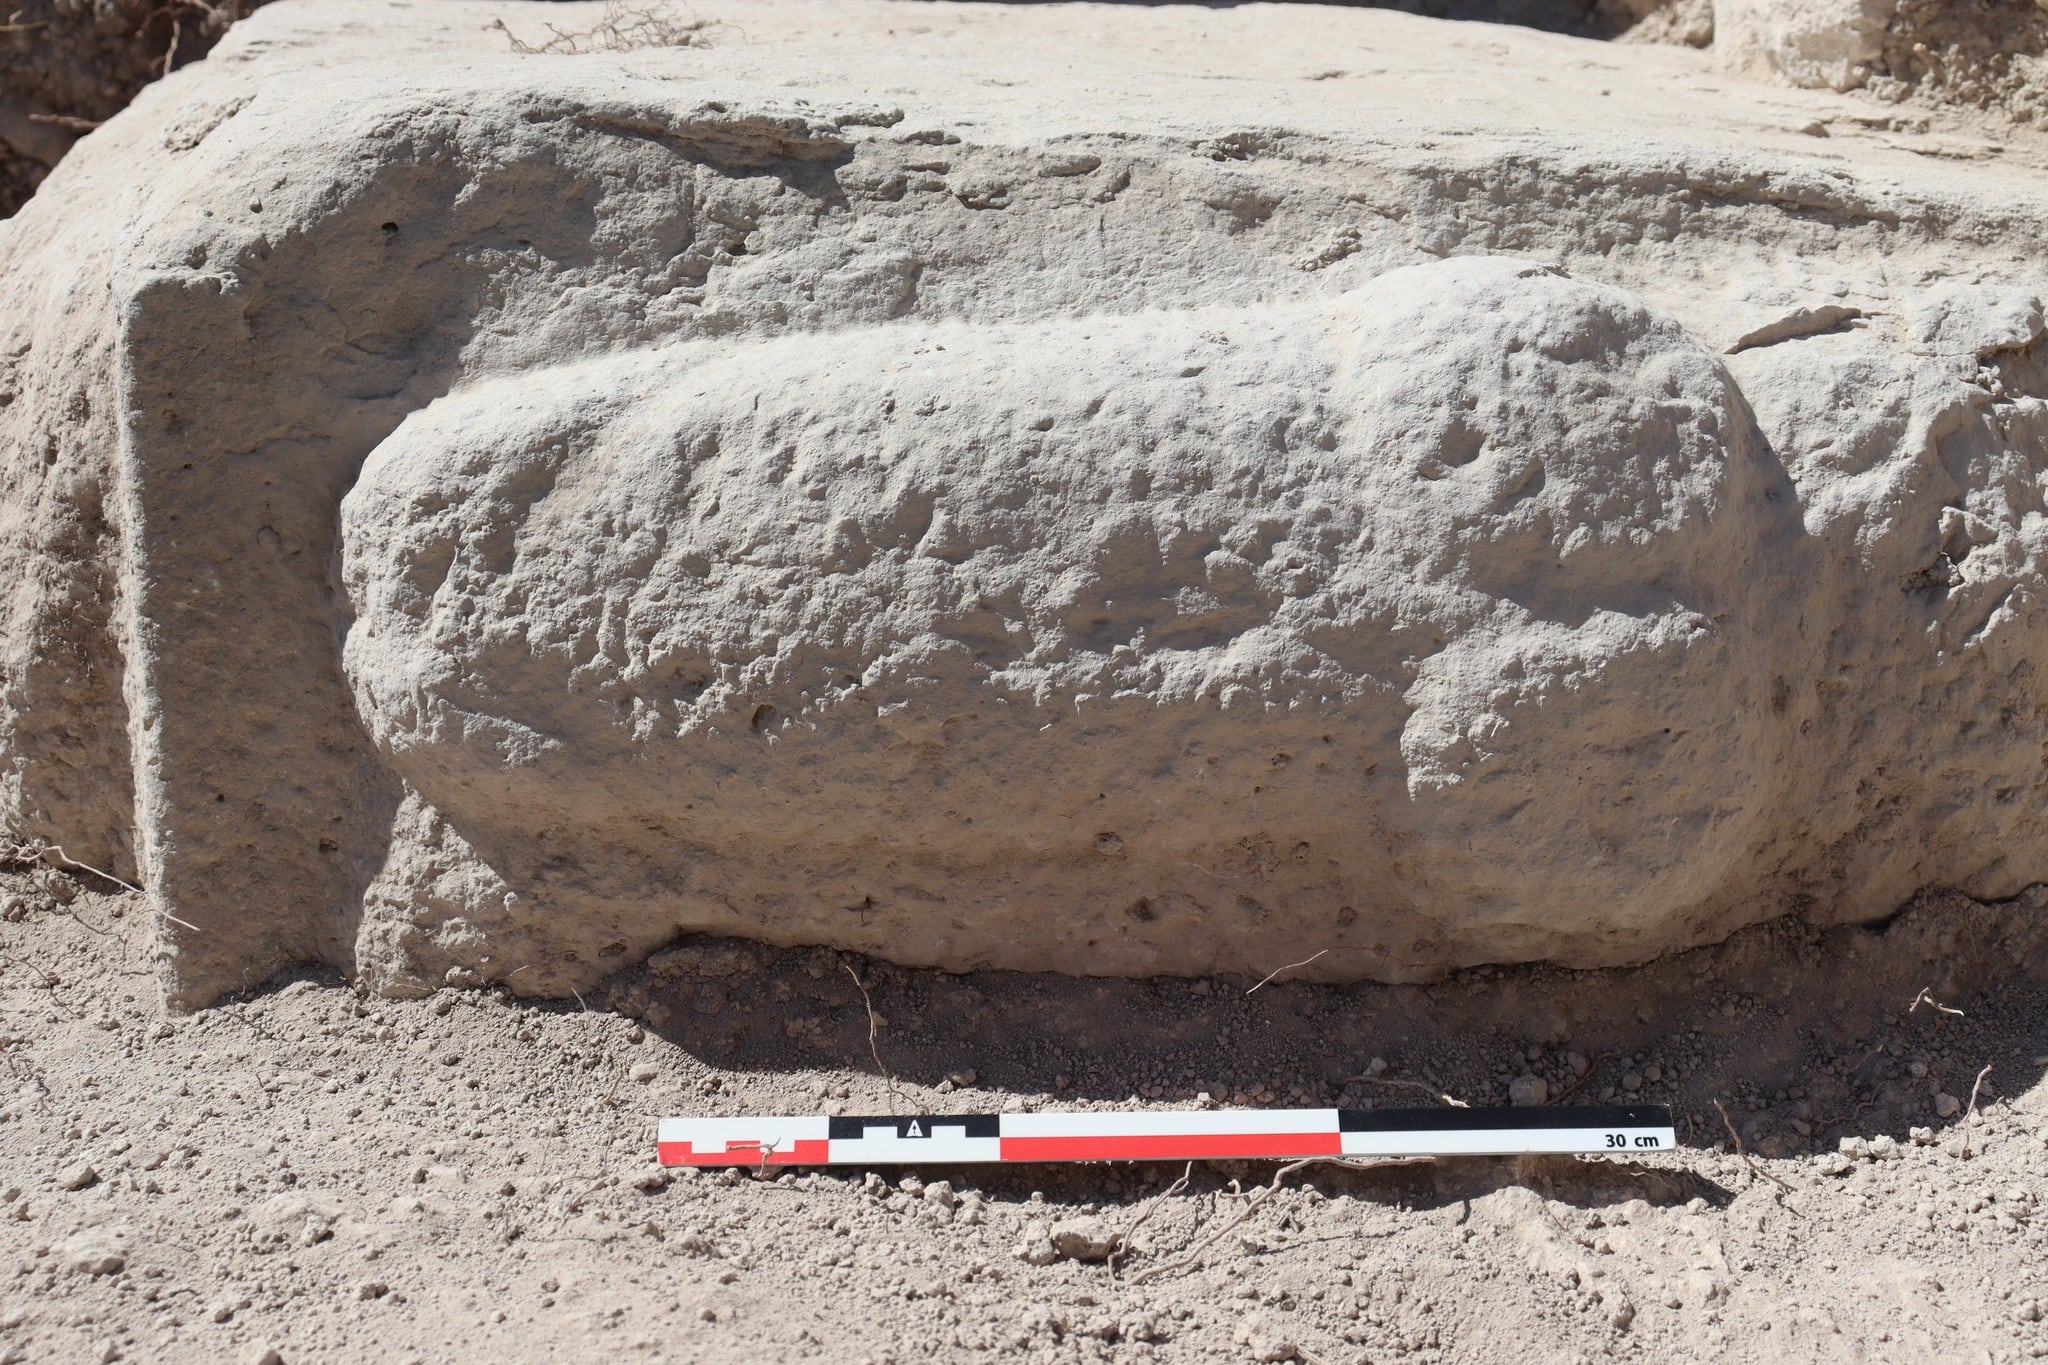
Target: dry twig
76, 917
1123, 1241
874, 1035
76, 125
1258, 1201
1926, 997
622, 28
1971, 1112
1288, 968
1743, 1152
50, 982
1592, 1069
1430, 1091
19, 1067
50, 979
46, 850
69, 861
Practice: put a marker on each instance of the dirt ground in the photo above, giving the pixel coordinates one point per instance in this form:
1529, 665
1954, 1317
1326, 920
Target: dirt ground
307, 1174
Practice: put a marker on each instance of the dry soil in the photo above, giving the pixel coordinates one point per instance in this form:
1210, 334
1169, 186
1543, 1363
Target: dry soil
308, 1174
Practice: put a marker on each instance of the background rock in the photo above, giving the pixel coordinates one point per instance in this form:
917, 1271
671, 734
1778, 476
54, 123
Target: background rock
69, 65
1991, 56
1831, 43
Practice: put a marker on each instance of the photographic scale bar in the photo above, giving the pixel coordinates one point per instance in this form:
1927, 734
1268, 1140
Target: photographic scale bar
1163, 1135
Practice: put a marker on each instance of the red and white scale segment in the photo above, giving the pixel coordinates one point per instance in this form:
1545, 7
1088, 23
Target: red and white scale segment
1162, 1135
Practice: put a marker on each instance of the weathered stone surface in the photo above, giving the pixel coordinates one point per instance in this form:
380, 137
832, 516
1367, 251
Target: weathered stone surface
991, 504
1832, 43
1118, 638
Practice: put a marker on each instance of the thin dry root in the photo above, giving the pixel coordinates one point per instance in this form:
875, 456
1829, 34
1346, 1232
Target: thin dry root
1123, 1241
50, 982
47, 849
874, 1033
1971, 1112
623, 28
1430, 1091
1258, 1201
1288, 968
1926, 997
69, 861
1743, 1152
1592, 1069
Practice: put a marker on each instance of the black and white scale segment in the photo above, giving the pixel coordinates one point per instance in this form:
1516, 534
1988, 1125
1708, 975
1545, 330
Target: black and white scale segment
1163, 1135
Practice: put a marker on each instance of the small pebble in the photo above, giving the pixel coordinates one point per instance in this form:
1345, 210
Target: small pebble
92, 1255
1035, 1247
1266, 1340
1083, 1239
77, 1177
644, 1072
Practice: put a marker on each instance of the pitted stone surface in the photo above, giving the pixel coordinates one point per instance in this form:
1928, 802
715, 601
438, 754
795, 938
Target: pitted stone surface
1066, 626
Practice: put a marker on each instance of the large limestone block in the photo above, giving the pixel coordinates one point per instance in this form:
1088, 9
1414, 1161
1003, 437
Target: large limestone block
922, 479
